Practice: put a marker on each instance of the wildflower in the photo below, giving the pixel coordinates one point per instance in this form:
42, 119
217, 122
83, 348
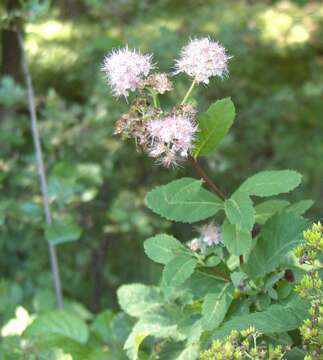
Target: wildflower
194, 244
171, 138
210, 234
125, 69
201, 59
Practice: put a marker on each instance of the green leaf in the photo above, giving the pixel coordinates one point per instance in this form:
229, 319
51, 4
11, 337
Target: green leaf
179, 269
236, 240
62, 231
269, 183
200, 284
267, 209
57, 325
157, 325
215, 307
275, 319
240, 211
191, 352
300, 207
281, 234
238, 278
162, 248
138, 299
213, 126
183, 200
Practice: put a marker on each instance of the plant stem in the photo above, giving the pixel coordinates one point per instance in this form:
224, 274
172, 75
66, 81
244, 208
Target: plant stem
212, 186
206, 178
41, 169
188, 92
155, 101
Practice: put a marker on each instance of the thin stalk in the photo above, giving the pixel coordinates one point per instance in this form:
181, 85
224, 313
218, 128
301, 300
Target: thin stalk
155, 100
188, 92
212, 186
41, 169
206, 178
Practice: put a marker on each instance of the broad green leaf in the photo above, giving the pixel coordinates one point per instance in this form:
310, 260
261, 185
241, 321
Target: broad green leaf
162, 248
300, 207
56, 326
238, 278
275, 319
157, 325
237, 241
281, 234
179, 269
200, 284
240, 211
191, 352
269, 183
138, 299
215, 307
111, 328
61, 231
213, 126
267, 209
183, 200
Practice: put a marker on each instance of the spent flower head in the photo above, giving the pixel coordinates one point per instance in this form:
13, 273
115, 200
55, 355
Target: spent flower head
202, 59
125, 69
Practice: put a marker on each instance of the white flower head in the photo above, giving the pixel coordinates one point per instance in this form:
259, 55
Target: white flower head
210, 234
202, 59
125, 69
171, 138
194, 244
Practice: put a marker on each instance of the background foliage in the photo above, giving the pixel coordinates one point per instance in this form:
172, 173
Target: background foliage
97, 184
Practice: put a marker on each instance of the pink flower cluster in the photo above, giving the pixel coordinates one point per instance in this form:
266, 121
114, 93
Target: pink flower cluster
125, 69
202, 59
171, 138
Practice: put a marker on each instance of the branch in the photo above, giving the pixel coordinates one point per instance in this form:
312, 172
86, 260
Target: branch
40, 168
206, 178
212, 186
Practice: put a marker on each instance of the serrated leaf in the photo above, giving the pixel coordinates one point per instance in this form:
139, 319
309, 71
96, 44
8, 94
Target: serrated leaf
162, 248
57, 325
213, 126
138, 299
269, 183
157, 325
239, 210
281, 234
183, 200
62, 231
267, 209
215, 307
236, 240
191, 352
200, 284
300, 207
179, 269
275, 319
238, 278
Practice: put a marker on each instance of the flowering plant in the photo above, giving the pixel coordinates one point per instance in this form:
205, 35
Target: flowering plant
239, 271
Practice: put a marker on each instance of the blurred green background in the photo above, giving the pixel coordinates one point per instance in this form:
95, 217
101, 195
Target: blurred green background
97, 183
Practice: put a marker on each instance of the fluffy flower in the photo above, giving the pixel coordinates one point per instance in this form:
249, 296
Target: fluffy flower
210, 234
171, 138
202, 59
194, 245
125, 69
